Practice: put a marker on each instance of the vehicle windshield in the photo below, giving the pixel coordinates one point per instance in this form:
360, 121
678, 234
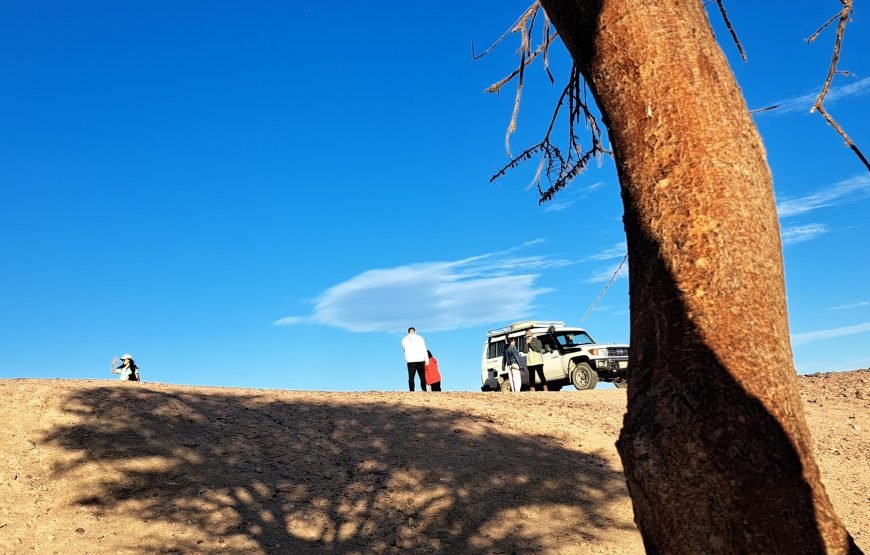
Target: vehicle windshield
572, 338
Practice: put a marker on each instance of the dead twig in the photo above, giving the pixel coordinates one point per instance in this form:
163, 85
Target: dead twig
842, 18
765, 109
558, 165
542, 49
731, 29
524, 25
843, 134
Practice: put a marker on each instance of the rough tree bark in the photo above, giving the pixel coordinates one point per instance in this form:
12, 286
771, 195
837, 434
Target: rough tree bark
715, 446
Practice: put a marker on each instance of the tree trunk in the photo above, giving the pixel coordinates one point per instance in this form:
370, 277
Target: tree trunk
715, 446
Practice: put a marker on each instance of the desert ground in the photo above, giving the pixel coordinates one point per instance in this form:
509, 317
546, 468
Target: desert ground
111, 467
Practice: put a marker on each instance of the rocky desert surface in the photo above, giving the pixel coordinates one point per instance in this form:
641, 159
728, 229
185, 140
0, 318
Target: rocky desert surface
112, 467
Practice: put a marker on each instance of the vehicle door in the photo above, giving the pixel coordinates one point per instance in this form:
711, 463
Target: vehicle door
552, 359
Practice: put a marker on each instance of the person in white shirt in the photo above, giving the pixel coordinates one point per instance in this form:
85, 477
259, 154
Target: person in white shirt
416, 356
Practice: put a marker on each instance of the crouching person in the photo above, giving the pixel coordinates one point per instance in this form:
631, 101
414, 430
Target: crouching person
433, 376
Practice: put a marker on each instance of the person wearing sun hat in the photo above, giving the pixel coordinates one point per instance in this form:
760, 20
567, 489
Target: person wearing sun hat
127, 369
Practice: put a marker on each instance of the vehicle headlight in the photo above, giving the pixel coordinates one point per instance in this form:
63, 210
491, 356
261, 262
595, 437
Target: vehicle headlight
599, 352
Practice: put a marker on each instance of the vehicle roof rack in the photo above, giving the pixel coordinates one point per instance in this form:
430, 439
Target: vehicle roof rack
524, 325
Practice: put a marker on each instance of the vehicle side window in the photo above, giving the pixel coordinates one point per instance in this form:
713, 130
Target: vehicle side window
521, 343
495, 349
547, 342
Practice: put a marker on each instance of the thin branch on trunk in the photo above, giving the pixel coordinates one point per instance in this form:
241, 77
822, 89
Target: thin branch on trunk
542, 49
524, 26
765, 109
843, 134
731, 29
843, 16
559, 166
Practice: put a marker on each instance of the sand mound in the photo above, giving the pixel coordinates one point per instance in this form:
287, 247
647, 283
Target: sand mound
110, 467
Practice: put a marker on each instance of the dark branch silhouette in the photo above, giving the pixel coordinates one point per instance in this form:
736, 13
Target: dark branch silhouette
843, 16
731, 29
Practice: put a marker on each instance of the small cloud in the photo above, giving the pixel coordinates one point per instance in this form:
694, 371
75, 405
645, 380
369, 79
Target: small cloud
801, 233
569, 198
607, 274
616, 251
812, 336
838, 193
289, 321
559, 206
435, 296
850, 305
804, 102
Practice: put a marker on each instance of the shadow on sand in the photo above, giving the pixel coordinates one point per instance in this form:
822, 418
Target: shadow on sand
255, 473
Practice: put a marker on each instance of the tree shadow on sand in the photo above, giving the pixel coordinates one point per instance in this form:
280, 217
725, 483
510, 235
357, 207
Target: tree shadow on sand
256, 473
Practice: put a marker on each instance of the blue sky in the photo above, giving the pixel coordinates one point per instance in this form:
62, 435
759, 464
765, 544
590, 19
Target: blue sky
268, 195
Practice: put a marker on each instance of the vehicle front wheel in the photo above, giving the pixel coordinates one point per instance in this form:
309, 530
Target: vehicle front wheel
584, 377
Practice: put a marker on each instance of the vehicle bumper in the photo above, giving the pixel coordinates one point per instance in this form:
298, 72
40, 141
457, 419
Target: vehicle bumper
610, 367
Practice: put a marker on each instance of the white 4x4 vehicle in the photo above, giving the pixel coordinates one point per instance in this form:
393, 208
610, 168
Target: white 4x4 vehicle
570, 355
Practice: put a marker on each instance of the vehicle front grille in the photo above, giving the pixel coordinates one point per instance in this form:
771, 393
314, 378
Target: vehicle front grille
617, 352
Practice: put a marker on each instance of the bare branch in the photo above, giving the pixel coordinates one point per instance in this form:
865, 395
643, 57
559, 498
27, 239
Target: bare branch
843, 17
835, 58
731, 29
512, 29
542, 49
843, 134
558, 166
765, 109
818, 32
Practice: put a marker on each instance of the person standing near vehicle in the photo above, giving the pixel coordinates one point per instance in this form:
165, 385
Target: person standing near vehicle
416, 356
127, 369
535, 360
512, 362
433, 376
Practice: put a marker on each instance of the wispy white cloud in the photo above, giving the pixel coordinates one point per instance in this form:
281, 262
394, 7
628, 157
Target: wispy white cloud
605, 274
850, 305
616, 251
559, 206
838, 193
812, 336
800, 233
567, 199
804, 102
433, 296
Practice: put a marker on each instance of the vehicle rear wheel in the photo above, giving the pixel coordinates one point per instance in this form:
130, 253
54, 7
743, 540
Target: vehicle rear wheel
505, 386
621, 383
584, 377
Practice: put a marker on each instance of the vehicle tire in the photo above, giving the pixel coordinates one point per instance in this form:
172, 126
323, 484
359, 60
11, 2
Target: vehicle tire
621, 383
505, 386
584, 377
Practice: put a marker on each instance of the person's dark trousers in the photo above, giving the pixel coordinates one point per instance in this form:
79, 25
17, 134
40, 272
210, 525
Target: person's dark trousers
540, 370
435, 386
420, 369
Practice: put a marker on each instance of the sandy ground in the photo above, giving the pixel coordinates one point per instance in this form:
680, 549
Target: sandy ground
110, 467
